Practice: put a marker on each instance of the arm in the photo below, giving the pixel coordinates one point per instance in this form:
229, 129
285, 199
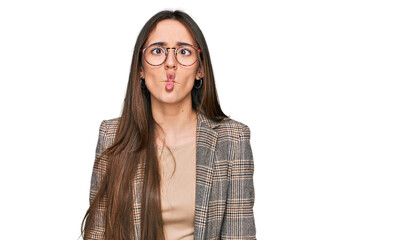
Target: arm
239, 220
97, 230
100, 162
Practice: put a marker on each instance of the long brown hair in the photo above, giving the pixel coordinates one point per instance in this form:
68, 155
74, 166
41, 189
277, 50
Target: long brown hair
134, 145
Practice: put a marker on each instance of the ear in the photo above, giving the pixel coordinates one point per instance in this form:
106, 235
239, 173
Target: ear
200, 73
141, 71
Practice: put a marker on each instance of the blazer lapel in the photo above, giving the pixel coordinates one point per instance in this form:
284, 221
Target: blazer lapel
138, 183
206, 139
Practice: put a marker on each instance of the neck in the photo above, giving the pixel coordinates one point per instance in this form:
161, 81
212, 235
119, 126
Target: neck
177, 122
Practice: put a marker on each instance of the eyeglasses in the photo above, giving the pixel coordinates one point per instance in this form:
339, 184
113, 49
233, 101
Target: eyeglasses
185, 55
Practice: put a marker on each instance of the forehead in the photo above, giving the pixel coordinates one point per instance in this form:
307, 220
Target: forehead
170, 31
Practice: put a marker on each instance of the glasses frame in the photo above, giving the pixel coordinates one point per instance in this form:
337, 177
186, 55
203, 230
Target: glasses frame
166, 50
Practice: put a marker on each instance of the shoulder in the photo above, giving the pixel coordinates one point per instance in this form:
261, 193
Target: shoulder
109, 127
107, 131
226, 127
231, 127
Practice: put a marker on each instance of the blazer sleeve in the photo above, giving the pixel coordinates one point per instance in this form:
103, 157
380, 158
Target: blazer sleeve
98, 229
239, 220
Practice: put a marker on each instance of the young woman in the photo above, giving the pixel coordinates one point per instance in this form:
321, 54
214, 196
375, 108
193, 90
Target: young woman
173, 166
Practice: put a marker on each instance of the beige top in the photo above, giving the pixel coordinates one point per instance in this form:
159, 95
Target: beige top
178, 190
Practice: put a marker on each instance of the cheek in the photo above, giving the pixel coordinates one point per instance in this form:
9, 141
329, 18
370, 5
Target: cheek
188, 80
188, 74
152, 75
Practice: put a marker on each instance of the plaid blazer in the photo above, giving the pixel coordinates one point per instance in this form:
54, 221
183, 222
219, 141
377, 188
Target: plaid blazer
224, 181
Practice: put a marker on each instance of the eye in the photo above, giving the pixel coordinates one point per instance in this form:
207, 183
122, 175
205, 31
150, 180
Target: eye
184, 52
157, 51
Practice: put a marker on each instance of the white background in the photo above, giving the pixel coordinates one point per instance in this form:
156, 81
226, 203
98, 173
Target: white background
327, 88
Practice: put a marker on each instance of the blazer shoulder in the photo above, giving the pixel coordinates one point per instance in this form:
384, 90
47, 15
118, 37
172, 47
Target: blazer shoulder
107, 131
110, 126
229, 126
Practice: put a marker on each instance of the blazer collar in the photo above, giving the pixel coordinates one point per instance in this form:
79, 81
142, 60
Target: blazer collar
203, 120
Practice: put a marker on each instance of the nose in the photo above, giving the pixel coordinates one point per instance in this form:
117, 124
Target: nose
170, 59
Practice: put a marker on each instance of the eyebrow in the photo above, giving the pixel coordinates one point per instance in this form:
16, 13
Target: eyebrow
177, 43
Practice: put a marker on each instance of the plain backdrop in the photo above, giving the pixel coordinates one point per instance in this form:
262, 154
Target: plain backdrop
326, 87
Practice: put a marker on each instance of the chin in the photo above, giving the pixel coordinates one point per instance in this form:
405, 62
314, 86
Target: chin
169, 101
172, 98
169, 98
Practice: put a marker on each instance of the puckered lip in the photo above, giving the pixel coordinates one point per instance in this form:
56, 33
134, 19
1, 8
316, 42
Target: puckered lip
170, 76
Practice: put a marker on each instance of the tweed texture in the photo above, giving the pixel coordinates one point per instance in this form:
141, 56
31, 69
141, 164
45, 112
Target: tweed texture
224, 181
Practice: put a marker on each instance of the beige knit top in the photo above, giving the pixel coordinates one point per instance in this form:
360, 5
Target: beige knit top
178, 190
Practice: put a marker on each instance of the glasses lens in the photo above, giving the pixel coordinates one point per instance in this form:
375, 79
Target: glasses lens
186, 55
155, 55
